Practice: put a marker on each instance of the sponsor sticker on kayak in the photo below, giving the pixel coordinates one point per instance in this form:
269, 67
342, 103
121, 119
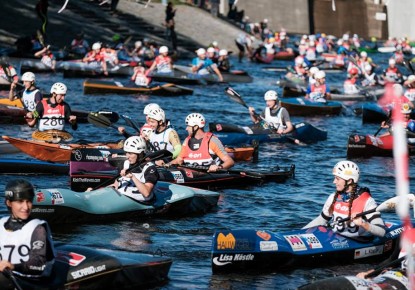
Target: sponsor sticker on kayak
312, 241
268, 246
340, 244
395, 232
368, 252
56, 196
178, 176
296, 243
40, 197
227, 242
263, 235
88, 271
225, 259
71, 258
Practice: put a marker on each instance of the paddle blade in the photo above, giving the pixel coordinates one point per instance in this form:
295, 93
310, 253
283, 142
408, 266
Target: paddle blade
99, 120
235, 96
390, 204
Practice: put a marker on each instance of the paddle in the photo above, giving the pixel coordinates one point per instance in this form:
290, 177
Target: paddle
9, 274
101, 121
380, 269
387, 121
130, 122
235, 96
387, 205
408, 65
240, 172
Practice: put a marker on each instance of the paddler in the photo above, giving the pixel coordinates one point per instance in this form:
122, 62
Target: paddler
163, 62
201, 64
30, 95
319, 91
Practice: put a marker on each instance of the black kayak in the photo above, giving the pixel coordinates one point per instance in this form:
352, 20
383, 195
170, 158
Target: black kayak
31, 166
116, 87
79, 267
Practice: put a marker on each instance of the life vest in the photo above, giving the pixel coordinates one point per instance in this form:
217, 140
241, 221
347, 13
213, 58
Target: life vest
127, 187
109, 56
47, 59
141, 79
300, 70
339, 60
98, 57
201, 156
311, 53
161, 140
53, 118
391, 72
349, 86
317, 92
410, 94
28, 99
276, 120
341, 211
15, 246
163, 64
398, 57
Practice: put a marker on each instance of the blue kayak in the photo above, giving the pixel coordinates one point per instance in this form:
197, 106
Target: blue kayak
234, 134
31, 166
304, 107
373, 113
60, 205
256, 250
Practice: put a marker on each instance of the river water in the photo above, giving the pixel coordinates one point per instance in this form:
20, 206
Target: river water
274, 207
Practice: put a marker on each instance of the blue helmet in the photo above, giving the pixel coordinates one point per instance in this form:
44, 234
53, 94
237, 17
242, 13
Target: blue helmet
411, 126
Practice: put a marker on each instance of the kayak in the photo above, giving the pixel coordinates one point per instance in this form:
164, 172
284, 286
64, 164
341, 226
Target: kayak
234, 134
258, 250
59, 152
235, 76
78, 267
35, 66
60, 205
387, 49
284, 55
79, 69
31, 166
348, 97
115, 87
369, 145
373, 113
305, 107
7, 148
4, 84
392, 280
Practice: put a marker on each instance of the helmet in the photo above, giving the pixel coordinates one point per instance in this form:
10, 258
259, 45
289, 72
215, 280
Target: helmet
313, 70
347, 170
397, 90
312, 43
210, 49
19, 189
195, 119
406, 109
146, 130
363, 54
163, 49
320, 74
150, 107
411, 78
368, 67
96, 45
354, 71
157, 114
223, 52
201, 51
392, 61
28, 77
135, 144
215, 43
271, 96
59, 89
411, 126
299, 60
138, 44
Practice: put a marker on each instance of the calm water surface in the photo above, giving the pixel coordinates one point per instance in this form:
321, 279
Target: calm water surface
275, 207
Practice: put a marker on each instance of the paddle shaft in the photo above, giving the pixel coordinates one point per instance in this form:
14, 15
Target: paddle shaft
136, 127
240, 172
380, 128
11, 276
380, 269
358, 215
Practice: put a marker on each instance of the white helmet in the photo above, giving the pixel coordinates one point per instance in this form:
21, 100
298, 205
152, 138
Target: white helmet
347, 170
406, 109
195, 119
223, 52
271, 96
96, 45
392, 61
368, 67
215, 43
411, 78
314, 70
135, 144
320, 74
201, 51
146, 130
157, 114
150, 107
138, 44
59, 89
363, 54
163, 49
312, 43
28, 77
211, 49
299, 60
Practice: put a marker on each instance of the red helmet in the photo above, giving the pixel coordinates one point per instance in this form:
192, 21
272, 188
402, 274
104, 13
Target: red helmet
354, 71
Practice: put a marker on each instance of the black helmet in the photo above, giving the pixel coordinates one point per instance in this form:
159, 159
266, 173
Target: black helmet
19, 189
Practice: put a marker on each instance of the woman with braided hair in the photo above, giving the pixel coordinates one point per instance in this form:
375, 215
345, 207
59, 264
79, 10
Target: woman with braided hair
349, 200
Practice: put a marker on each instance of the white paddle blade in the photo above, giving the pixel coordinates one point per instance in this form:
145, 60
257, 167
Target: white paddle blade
390, 204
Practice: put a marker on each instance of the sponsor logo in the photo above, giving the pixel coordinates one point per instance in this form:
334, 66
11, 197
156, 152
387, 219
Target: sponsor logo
189, 173
40, 197
74, 179
356, 146
340, 244
312, 241
340, 207
195, 155
87, 271
225, 259
263, 235
368, 252
94, 158
178, 176
296, 243
396, 232
268, 246
56, 197
218, 127
226, 242
43, 210
78, 155
37, 245
360, 283
71, 258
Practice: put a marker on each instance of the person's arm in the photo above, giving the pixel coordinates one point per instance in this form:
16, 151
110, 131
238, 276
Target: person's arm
71, 118
287, 121
175, 142
38, 256
373, 222
217, 71
151, 177
12, 92
216, 146
40, 52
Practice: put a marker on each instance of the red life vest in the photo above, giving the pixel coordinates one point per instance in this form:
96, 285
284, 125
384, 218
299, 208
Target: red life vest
53, 117
200, 156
